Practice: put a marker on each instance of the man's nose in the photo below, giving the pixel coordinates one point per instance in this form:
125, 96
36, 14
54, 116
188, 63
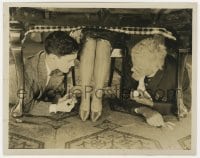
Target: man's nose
135, 76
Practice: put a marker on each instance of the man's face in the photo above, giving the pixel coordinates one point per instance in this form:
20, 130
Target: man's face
148, 57
142, 67
63, 63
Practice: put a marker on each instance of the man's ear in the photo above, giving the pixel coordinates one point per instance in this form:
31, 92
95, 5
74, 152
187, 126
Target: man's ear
52, 56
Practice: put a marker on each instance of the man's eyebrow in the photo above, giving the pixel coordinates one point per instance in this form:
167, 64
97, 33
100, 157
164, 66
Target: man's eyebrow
70, 59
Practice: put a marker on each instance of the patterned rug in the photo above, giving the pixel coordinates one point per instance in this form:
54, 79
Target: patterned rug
116, 129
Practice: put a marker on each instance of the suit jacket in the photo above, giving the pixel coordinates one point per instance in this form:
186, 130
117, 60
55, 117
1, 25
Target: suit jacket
35, 74
162, 86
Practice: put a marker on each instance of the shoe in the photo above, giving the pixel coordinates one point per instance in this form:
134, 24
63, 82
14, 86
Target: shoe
95, 116
84, 112
95, 113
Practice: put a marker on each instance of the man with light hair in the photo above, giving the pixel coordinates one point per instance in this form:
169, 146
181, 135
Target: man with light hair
151, 81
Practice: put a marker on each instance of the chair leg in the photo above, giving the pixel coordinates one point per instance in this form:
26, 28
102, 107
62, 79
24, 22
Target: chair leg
180, 72
16, 49
122, 74
112, 69
65, 83
73, 76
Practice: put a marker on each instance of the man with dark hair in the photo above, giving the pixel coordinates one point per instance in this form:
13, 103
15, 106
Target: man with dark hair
44, 72
59, 43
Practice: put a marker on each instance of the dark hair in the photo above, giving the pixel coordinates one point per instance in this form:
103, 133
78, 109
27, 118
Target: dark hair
60, 43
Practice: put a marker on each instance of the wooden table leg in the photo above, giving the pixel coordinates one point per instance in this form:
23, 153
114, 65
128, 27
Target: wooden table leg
124, 57
16, 49
112, 69
73, 76
182, 56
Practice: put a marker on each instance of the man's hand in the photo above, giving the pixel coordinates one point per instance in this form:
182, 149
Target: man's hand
64, 104
153, 117
142, 97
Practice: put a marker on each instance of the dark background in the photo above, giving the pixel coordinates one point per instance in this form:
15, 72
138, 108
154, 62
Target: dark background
178, 21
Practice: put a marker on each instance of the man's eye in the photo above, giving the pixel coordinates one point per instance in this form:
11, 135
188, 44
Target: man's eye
134, 70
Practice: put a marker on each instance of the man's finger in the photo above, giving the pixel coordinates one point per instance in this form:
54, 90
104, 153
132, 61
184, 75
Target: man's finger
170, 123
147, 95
169, 126
161, 120
160, 123
150, 122
154, 122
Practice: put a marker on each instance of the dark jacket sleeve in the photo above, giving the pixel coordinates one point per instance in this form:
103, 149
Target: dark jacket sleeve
31, 92
32, 89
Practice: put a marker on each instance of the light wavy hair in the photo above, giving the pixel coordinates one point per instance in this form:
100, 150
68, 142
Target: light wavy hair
148, 56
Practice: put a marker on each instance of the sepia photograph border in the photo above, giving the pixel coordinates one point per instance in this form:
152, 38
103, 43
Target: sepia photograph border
166, 5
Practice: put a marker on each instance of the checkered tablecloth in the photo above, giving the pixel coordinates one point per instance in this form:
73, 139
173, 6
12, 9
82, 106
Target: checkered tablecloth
126, 30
